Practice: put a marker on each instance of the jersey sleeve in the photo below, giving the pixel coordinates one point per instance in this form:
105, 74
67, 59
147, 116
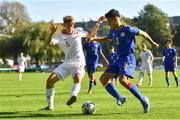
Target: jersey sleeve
133, 31
175, 54
81, 32
55, 39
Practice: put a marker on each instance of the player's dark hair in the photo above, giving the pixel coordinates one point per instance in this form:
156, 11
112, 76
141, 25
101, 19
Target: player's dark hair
111, 47
112, 13
170, 41
68, 19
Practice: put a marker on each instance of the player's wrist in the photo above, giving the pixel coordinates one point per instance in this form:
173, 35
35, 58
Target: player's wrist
98, 24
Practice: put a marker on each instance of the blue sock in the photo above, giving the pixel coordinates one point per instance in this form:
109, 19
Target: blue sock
134, 90
167, 81
177, 81
112, 90
90, 84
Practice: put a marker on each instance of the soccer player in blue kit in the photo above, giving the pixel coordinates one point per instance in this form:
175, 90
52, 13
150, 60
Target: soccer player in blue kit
170, 62
92, 51
124, 39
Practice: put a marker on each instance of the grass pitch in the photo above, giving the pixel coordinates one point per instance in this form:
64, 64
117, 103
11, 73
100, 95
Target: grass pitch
23, 99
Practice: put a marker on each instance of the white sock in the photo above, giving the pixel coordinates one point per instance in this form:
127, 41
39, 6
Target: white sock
141, 77
50, 97
75, 89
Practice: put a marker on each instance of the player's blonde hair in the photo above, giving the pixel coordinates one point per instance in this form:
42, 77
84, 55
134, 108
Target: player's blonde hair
68, 19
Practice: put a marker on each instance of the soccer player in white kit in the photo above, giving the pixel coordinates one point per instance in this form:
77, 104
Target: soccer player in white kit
22, 64
69, 40
146, 65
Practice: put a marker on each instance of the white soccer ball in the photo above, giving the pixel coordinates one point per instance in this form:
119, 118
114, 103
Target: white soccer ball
88, 107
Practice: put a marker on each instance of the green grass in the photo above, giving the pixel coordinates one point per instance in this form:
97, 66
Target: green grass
22, 99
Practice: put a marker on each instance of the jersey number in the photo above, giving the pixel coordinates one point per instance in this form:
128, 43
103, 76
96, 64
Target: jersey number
67, 43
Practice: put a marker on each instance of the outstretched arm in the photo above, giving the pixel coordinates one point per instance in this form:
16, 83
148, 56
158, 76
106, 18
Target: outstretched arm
104, 58
96, 27
53, 28
148, 38
91, 36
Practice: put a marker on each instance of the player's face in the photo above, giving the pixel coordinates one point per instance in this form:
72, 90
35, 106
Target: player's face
168, 44
144, 48
69, 26
112, 50
113, 22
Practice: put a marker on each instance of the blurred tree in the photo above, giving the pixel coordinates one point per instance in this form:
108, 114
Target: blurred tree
15, 16
155, 22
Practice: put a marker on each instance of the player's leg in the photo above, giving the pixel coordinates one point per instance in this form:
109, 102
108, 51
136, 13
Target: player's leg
60, 73
167, 78
105, 80
149, 72
21, 70
127, 70
91, 81
176, 78
150, 79
141, 76
77, 74
123, 79
91, 74
52, 79
20, 76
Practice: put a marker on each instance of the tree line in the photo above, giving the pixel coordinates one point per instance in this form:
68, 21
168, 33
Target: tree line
31, 37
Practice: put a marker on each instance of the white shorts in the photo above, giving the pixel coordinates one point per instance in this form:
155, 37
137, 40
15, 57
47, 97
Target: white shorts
21, 68
146, 68
66, 69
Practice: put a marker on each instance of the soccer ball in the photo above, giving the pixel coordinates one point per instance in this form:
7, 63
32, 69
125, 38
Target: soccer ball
88, 107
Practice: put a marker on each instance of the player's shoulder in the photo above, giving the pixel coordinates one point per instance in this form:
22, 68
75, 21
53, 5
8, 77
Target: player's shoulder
59, 35
129, 28
149, 51
173, 49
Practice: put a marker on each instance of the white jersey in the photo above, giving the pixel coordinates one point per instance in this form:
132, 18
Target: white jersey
146, 65
71, 46
21, 61
146, 57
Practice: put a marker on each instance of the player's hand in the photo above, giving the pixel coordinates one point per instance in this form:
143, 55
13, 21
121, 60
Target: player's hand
53, 27
90, 39
155, 45
101, 19
175, 65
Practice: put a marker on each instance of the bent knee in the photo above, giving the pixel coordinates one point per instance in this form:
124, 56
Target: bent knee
125, 82
53, 78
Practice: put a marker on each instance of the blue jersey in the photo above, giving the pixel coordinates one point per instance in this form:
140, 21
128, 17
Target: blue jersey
124, 39
169, 54
124, 42
92, 50
112, 57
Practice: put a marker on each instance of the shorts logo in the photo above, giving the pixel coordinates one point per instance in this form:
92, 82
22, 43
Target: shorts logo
125, 66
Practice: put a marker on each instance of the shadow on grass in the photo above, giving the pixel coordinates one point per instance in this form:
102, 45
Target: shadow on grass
24, 95
34, 114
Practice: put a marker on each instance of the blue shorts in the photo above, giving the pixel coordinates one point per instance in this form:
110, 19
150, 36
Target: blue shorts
91, 68
124, 65
169, 68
